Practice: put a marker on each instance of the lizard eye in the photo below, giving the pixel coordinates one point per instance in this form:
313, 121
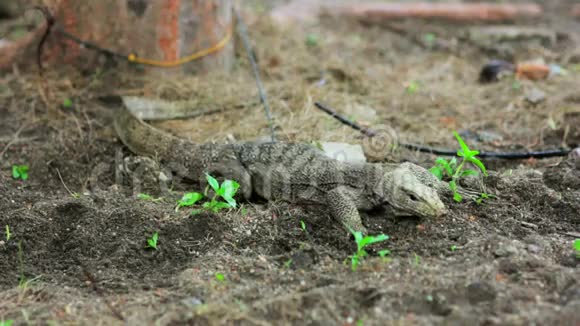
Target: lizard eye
413, 197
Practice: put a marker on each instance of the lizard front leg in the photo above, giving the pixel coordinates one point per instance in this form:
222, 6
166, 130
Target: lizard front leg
343, 208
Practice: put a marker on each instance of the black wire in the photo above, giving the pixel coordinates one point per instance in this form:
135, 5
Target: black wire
53, 26
444, 152
243, 30
49, 26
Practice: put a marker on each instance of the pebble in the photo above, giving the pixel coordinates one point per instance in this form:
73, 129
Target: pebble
535, 96
480, 291
505, 251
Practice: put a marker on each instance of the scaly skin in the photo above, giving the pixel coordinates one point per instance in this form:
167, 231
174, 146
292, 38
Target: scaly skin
296, 173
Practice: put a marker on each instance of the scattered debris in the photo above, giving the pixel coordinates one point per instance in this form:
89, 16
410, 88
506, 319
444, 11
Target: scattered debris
535, 96
532, 71
497, 69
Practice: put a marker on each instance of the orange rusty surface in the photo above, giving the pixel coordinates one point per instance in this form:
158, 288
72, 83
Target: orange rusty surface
168, 30
68, 19
532, 71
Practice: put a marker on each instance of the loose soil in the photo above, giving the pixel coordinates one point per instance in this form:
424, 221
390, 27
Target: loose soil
78, 229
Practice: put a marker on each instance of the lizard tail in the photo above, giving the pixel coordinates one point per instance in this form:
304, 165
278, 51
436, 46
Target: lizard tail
141, 138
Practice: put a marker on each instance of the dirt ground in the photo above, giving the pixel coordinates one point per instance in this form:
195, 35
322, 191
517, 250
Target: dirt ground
78, 230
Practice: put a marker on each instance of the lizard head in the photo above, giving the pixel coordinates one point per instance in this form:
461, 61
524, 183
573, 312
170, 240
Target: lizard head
412, 190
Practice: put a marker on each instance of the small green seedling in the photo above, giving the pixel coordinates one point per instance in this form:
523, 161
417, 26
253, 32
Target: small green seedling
220, 277
454, 171
227, 190
188, 199
453, 248
429, 38
416, 259
144, 196
312, 40
8, 233
303, 226
483, 196
288, 263
412, 87
577, 247
152, 242
67, 103
7, 322
361, 243
20, 172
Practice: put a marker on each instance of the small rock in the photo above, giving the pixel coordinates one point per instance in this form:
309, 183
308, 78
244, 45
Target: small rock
480, 292
535, 96
489, 136
344, 152
508, 267
191, 301
505, 251
570, 294
162, 177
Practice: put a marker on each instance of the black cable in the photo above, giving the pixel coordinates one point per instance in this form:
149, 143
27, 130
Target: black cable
53, 26
444, 152
243, 30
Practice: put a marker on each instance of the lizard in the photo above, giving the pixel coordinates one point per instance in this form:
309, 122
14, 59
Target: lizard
293, 172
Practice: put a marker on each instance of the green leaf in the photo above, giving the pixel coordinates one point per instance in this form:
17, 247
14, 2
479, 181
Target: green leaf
466, 173
8, 234
412, 87
577, 247
20, 172
384, 252
437, 172
369, 239
445, 164
464, 148
312, 39
213, 182
144, 196
215, 206
358, 236
67, 103
477, 163
230, 188
7, 322
457, 197
354, 262
303, 226
152, 242
231, 202
189, 199
464, 151
429, 38
453, 185
220, 277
